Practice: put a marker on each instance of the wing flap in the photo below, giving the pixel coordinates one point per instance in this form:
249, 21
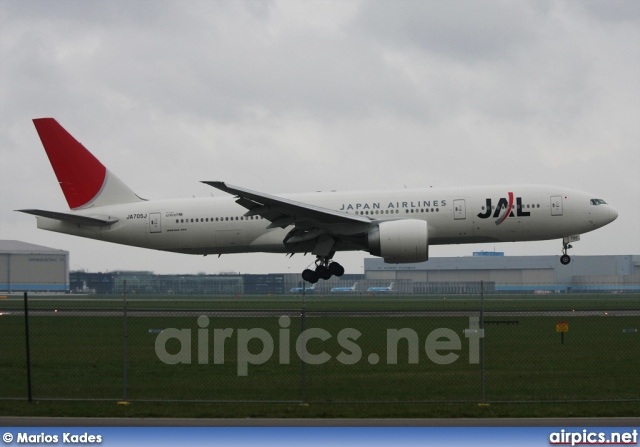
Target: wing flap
283, 222
248, 204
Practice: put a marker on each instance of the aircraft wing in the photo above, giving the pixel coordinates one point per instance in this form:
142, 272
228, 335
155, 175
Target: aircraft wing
283, 212
316, 227
73, 218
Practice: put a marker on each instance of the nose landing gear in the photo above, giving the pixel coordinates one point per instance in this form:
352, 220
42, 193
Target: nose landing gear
325, 269
565, 258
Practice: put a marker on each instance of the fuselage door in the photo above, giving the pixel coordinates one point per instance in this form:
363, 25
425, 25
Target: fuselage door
459, 210
556, 205
154, 223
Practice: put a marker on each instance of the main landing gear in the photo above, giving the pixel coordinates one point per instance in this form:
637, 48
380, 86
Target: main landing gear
325, 269
565, 258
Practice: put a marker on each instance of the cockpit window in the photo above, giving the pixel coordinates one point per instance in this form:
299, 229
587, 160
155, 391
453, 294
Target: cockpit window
598, 202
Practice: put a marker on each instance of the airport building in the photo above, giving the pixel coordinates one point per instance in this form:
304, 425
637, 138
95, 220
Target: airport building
461, 275
27, 267
511, 274
148, 283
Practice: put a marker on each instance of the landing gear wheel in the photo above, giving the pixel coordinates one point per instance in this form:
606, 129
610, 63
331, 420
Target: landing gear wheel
336, 269
323, 272
310, 276
325, 269
565, 258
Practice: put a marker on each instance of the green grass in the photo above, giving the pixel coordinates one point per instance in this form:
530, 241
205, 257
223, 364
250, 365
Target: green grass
527, 371
275, 410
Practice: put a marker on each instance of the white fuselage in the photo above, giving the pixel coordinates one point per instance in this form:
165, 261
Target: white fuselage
218, 225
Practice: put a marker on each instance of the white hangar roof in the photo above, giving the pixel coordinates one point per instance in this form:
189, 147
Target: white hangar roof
18, 247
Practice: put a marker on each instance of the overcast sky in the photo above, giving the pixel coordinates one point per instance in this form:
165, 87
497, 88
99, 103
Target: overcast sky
296, 96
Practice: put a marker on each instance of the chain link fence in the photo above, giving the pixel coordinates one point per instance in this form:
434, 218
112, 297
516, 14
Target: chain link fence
309, 349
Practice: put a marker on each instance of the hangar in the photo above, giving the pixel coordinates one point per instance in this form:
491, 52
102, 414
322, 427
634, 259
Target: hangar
28, 267
527, 274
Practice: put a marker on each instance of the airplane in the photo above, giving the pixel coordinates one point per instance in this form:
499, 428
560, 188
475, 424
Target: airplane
303, 289
398, 226
344, 289
381, 289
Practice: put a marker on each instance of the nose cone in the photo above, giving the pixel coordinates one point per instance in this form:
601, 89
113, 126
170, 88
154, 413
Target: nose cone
613, 214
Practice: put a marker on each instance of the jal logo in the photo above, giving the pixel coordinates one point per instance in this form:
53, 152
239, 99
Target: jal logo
504, 209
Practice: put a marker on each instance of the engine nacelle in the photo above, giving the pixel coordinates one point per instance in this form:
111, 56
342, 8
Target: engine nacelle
400, 241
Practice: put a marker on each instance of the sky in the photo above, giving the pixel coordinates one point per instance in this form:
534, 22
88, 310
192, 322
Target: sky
298, 96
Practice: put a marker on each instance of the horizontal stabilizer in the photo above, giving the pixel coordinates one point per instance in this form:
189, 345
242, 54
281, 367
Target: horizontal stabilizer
73, 218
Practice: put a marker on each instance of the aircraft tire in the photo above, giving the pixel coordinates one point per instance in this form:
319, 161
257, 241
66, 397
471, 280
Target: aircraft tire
336, 269
310, 276
323, 272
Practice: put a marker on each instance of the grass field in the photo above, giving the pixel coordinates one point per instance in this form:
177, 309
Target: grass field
78, 354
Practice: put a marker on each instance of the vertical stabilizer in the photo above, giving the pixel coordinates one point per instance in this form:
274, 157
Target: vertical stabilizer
85, 181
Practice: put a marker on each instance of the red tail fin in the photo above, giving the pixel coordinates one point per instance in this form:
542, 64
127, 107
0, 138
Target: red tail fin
80, 174
82, 177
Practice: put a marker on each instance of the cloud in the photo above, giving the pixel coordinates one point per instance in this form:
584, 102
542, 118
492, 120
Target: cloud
296, 96
469, 32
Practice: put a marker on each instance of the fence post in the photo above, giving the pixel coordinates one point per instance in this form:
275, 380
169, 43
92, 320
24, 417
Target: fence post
124, 343
26, 334
303, 375
482, 340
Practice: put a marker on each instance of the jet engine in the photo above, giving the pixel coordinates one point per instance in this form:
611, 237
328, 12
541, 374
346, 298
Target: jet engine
400, 241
